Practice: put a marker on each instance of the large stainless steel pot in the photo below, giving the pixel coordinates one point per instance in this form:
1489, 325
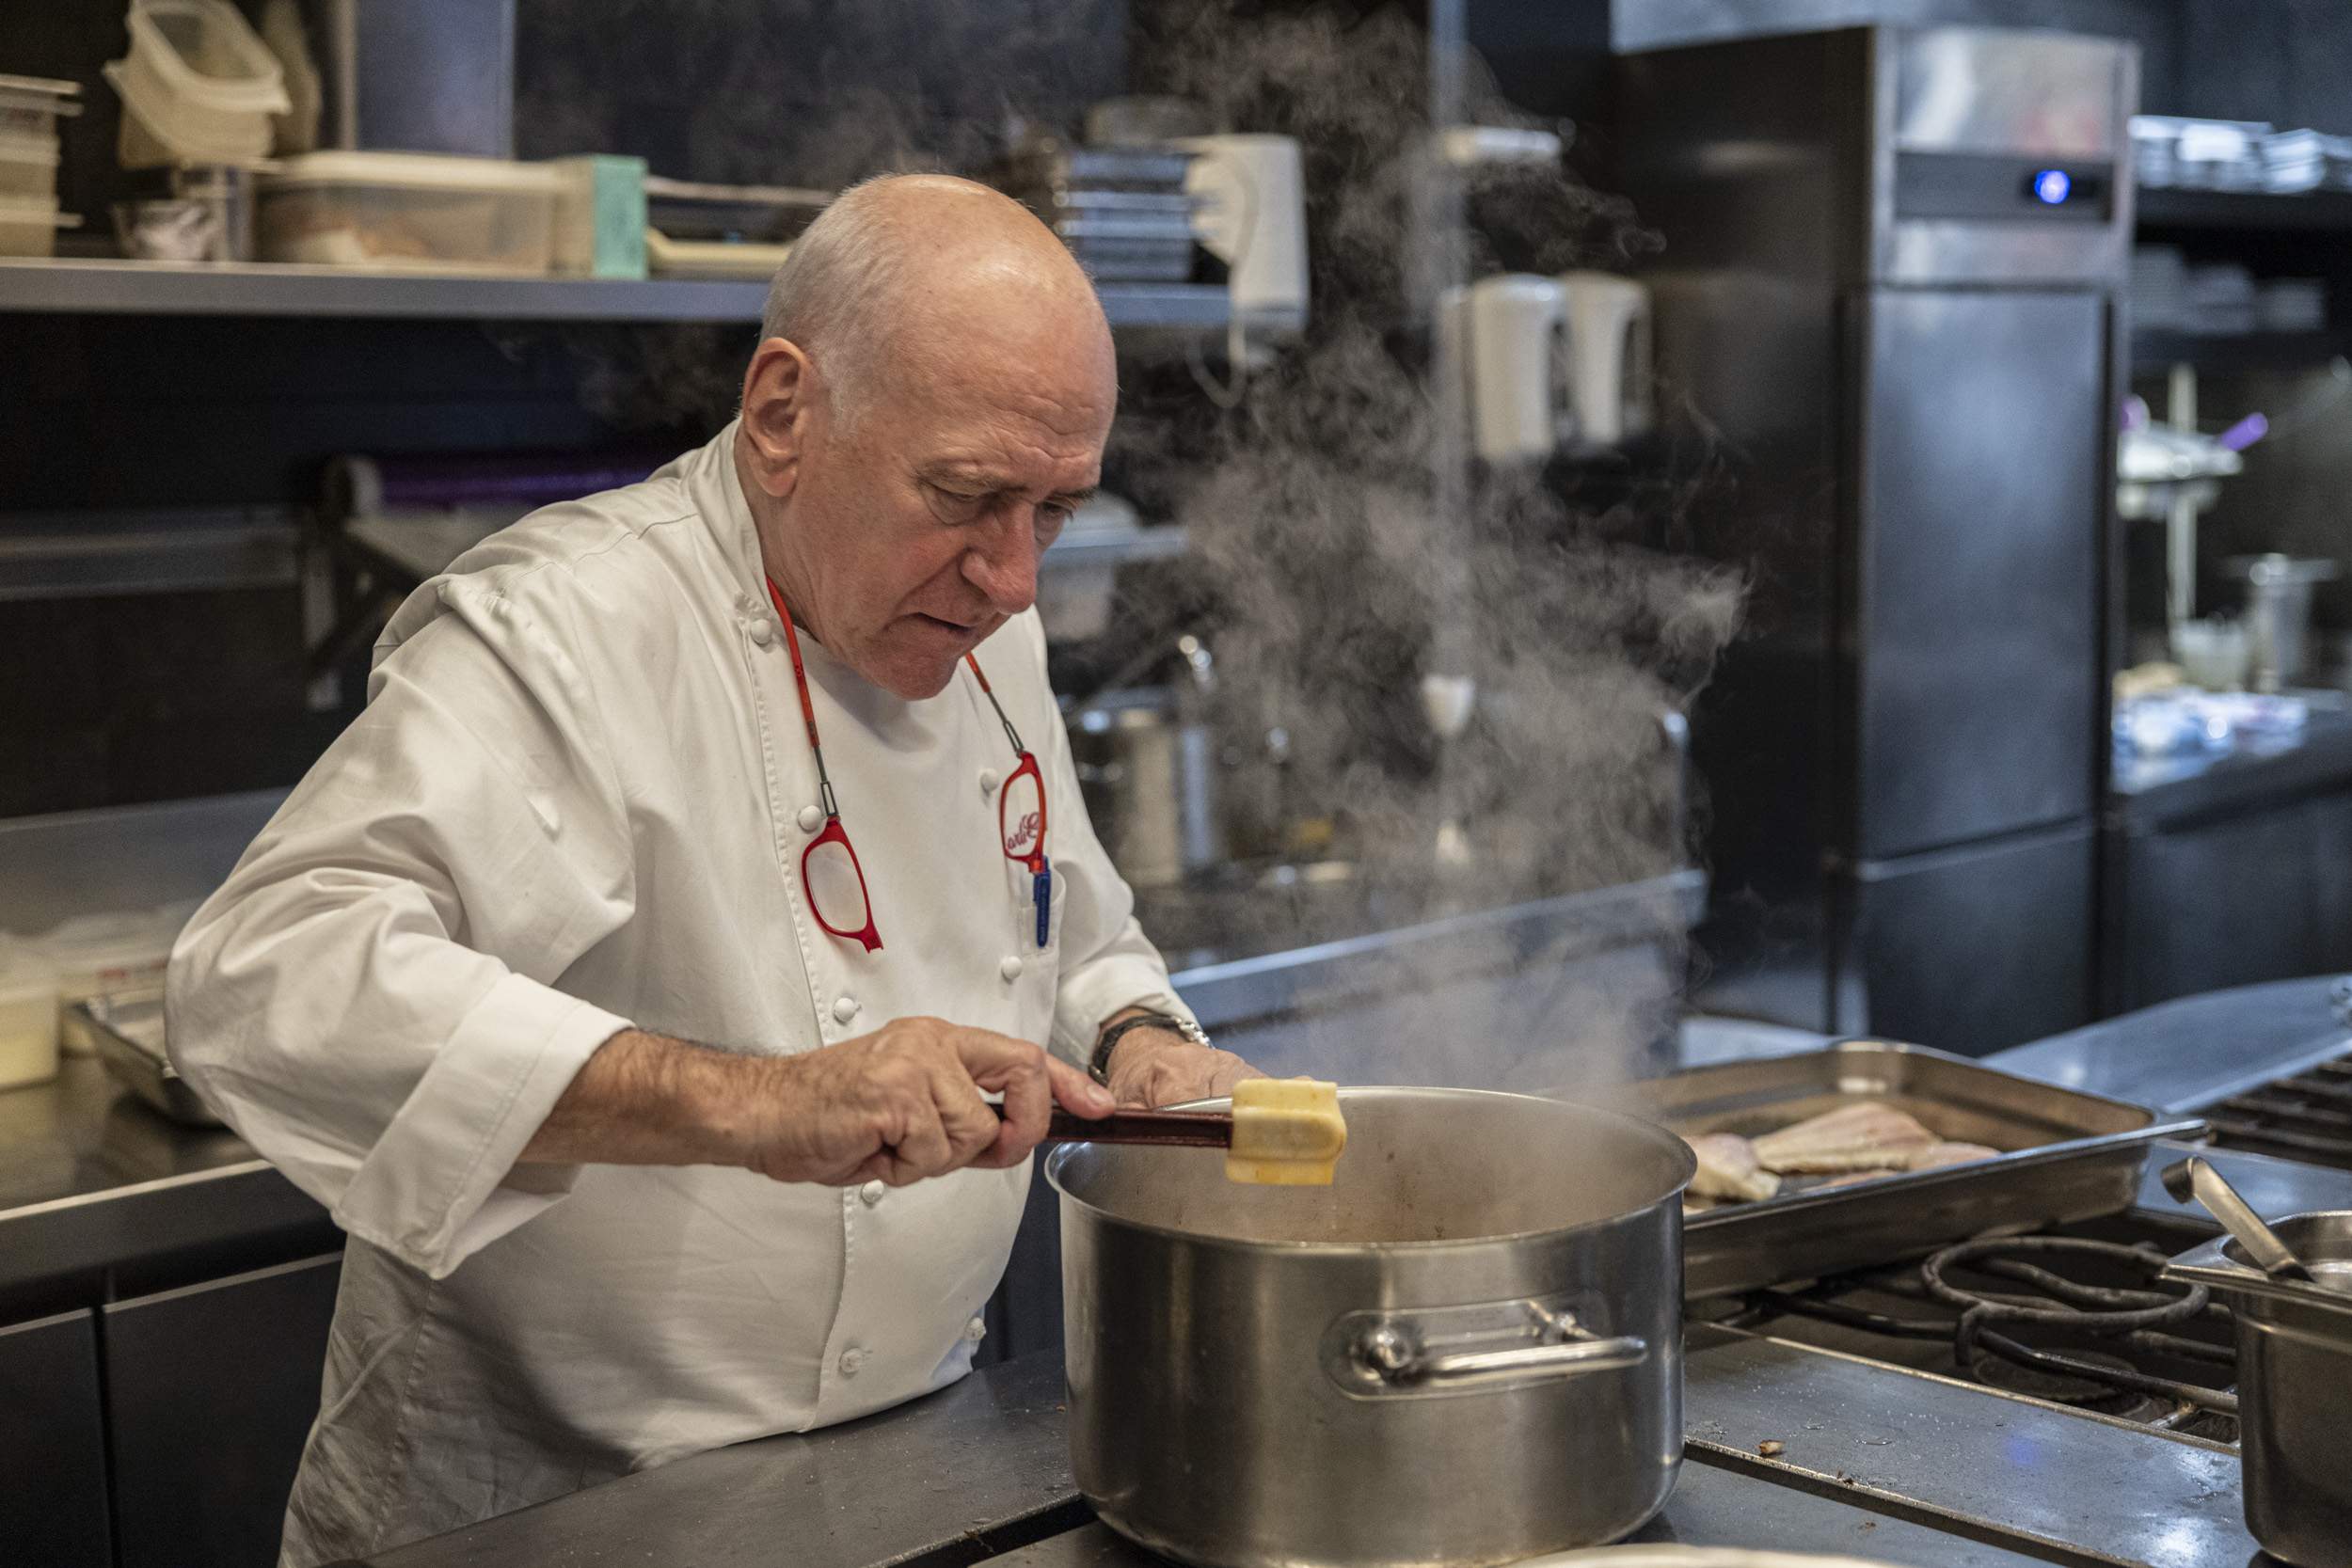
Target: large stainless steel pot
1467, 1349
2293, 1371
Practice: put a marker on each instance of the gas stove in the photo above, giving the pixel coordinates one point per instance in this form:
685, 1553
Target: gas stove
2304, 1116
2076, 1317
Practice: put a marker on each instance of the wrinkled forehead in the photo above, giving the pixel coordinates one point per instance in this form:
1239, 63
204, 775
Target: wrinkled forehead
1049, 383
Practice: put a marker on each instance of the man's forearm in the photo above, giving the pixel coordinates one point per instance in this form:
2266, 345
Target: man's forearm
647, 1099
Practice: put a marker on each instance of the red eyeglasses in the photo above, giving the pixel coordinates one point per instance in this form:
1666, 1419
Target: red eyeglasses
829, 866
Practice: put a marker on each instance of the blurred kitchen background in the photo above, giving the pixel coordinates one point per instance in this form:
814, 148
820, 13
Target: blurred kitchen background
1640, 531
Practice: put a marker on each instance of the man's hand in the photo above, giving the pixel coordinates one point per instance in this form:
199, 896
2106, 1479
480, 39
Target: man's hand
904, 1102
896, 1105
1159, 1066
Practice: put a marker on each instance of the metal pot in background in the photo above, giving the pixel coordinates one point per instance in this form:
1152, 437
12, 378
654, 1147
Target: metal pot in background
1147, 763
1465, 1351
2293, 1366
2278, 613
1149, 783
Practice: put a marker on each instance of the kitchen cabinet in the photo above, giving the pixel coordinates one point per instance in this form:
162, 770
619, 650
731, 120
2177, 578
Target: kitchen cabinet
2262, 894
53, 1503
1972, 949
210, 1392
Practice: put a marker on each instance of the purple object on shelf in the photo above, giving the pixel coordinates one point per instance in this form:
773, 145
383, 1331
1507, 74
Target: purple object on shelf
2245, 432
421, 482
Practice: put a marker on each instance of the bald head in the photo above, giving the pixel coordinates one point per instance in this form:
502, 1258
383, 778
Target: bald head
900, 269
927, 407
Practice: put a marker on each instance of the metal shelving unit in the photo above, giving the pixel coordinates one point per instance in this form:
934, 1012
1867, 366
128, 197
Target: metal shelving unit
72, 286
2163, 206
2223, 354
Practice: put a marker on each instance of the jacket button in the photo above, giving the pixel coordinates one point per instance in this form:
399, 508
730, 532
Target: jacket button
974, 1331
871, 1192
763, 631
852, 1361
844, 1008
811, 818
988, 783
1009, 968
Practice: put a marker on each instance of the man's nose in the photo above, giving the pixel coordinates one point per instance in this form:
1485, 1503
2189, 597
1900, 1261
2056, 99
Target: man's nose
1004, 567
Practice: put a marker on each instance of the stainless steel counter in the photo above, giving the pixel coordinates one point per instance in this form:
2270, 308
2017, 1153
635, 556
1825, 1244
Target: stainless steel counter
2187, 1055
91, 1179
1879, 1462
92, 1182
2150, 790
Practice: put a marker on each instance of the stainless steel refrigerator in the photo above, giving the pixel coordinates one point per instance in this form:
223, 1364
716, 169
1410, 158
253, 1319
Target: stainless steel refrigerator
1885, 311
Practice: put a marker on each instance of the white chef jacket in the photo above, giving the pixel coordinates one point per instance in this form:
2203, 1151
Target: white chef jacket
576, 802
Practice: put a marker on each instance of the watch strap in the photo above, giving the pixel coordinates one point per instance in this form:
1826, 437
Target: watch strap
1100, 1068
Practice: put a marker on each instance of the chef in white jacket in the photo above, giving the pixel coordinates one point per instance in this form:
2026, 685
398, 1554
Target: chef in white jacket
627, 978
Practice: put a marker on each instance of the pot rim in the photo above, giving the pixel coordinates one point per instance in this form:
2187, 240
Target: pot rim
1683, 1152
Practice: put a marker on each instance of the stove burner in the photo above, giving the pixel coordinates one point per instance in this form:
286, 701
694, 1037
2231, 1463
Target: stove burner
2128, 1316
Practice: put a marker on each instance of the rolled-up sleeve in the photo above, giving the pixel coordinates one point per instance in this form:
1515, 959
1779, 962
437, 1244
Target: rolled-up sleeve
371, 1000
1107, 963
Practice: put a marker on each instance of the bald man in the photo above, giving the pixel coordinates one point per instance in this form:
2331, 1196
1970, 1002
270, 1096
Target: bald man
666, 978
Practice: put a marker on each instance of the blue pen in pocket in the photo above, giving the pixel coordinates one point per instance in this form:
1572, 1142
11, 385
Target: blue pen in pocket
1044, 884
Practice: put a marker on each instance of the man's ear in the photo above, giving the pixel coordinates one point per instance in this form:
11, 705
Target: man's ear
780, 395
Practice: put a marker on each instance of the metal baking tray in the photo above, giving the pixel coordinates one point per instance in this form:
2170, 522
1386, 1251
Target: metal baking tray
2067, 1156
129, 1029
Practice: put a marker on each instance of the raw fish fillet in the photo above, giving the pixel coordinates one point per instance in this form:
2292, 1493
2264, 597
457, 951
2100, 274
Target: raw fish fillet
1728, 1168
1866, 1135
1949, 1154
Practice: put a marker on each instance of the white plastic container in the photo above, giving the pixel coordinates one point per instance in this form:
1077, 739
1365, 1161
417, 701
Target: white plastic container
97, 955
30, 106
29, 1017
28, 167
200, 86
409, 211
30, 227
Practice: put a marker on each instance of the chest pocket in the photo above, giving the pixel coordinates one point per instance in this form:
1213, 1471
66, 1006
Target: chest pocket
1038, 975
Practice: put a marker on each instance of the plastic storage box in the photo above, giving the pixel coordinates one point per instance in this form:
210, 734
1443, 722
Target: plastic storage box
29, 1017
30, 227
97, 955
30, 106
407, 210
28, 167
200, 86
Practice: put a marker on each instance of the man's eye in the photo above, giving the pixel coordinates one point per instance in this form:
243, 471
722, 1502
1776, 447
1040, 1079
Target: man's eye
956, 504
1051, 516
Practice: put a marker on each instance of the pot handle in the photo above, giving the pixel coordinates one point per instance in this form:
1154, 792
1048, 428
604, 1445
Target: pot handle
1468, 1349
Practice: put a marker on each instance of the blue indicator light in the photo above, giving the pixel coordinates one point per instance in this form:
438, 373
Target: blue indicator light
2051, 187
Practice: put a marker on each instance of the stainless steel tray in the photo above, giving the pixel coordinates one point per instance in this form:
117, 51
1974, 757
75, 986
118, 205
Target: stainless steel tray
129, 1029
2066, 1156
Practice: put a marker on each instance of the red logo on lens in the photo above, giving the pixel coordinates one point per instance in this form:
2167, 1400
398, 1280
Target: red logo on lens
1023, 835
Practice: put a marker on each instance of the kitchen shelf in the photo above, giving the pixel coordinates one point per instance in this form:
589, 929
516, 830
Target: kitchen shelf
2218, 353
2168, 208
74, 286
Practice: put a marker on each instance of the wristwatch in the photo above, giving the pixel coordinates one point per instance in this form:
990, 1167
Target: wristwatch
1100, 1069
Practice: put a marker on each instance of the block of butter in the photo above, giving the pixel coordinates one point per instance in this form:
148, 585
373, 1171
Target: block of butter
1287, 1131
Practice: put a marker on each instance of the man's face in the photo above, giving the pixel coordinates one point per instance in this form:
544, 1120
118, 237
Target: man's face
913, 530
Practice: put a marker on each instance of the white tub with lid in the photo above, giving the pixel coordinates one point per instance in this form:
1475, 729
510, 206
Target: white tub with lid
31, 106
28, 167
29, 228
97, 955
409, 209
199, 84
29, 1017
